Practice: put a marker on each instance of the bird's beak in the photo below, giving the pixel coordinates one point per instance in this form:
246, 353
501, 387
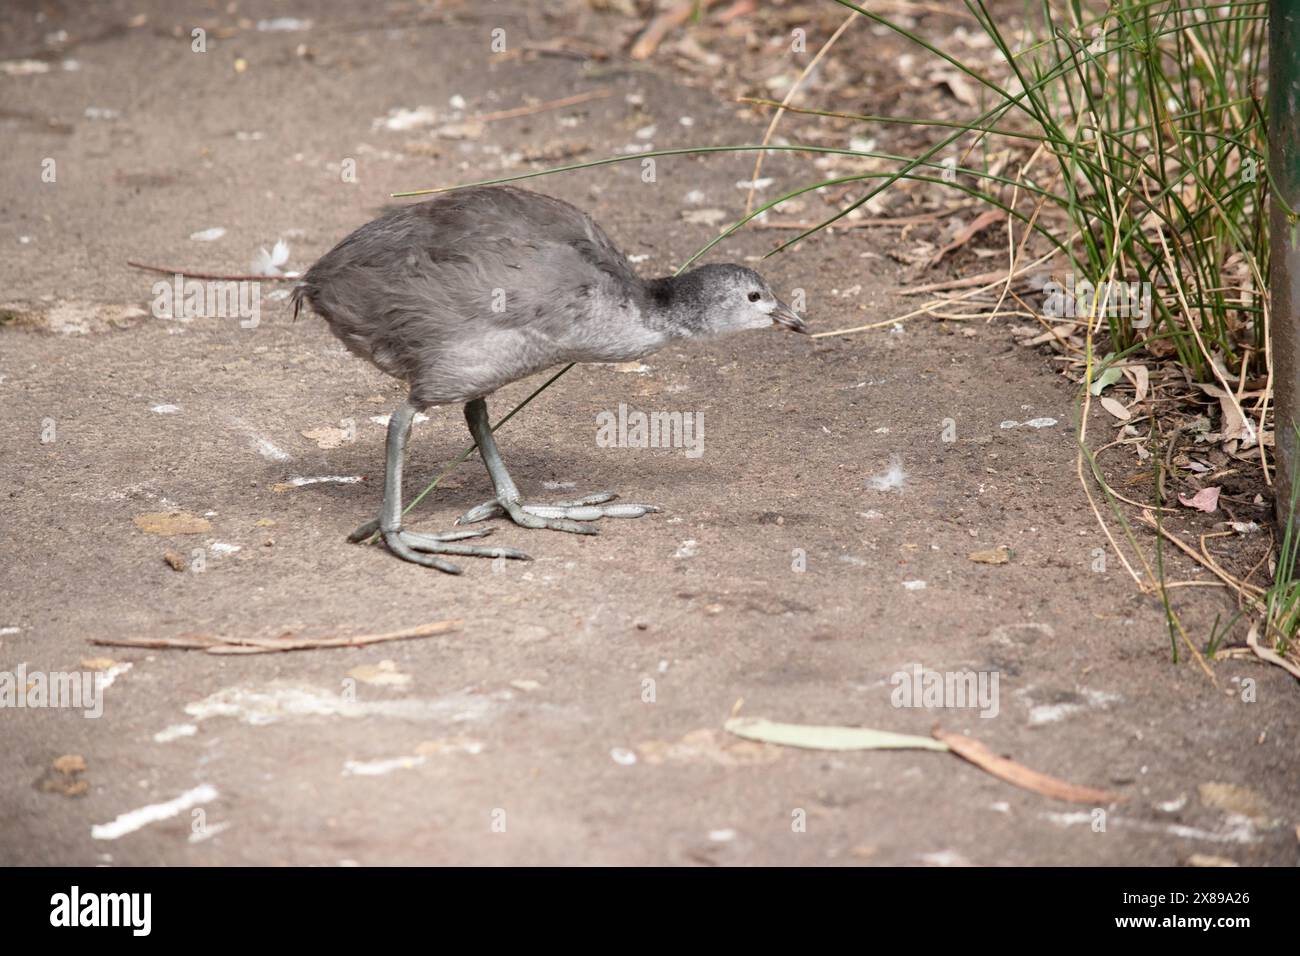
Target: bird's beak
784, 315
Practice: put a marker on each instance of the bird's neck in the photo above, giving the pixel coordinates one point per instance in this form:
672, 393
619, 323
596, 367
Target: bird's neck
675, 306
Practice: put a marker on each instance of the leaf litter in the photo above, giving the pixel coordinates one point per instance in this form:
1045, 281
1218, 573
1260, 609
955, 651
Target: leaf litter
838, 738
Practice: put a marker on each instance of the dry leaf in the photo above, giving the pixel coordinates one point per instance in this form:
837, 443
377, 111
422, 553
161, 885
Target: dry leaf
1021, 776
704, 217
999, 555
383, 674
175, 559
98, 663
1141, 381
171, 522
1233, 799
962, 88
69, 764
1234, 427
1116, 408
62, 777
327, 437
1207, 500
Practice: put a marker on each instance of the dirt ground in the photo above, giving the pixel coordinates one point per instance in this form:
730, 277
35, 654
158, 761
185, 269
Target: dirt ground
576, 714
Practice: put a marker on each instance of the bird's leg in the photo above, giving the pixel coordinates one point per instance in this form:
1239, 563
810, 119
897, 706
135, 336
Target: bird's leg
410, 545
573, 516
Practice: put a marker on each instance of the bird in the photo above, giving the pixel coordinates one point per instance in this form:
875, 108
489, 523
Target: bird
478, 287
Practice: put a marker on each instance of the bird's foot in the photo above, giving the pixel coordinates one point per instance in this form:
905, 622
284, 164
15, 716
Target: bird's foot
574, 516
423, 549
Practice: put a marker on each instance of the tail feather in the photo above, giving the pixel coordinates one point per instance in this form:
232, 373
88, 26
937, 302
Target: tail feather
299, 296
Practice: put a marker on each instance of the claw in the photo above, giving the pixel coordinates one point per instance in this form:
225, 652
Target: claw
407, 553
489, 509
365, 531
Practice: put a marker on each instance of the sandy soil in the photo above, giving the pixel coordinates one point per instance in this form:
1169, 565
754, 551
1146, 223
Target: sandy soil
526, 735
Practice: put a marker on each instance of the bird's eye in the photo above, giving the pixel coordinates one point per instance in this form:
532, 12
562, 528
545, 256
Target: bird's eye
755, 296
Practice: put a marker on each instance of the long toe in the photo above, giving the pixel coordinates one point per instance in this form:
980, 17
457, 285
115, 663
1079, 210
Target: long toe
462, 535
488, 509
407, 553
522, 517
586, 512
571, 516
438, 544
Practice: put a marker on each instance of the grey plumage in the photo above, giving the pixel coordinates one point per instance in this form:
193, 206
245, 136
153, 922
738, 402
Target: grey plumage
480, 287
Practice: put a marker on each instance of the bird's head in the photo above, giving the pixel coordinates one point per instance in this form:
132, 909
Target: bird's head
717, 299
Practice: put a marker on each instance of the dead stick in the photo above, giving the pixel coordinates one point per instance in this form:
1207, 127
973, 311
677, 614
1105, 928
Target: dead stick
664, 24
262, 645
862, 223
972, 750
542, 107
209, 275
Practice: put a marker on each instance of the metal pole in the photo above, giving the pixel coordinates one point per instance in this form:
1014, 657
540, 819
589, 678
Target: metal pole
1284, 249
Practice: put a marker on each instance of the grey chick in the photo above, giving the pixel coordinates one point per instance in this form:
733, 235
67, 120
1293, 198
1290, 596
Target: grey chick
483, 286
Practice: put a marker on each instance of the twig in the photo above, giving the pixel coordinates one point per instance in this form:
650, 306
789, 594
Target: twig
264, 645
969, 232
213, 277
972, 750
862, 223
542, 107
658, 29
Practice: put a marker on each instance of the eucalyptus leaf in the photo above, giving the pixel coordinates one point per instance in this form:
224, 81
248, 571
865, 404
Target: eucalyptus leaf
814, 737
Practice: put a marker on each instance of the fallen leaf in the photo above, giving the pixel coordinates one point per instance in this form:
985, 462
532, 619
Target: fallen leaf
1233, 426
966, 234
1205, 859
814, 737
69, 764
1109, 377
383, 674
1207, 500
65, 786
704, 217
62, 777
1116, 408
1234, 799
1141, 381
171, 522
963, 89
98, 663
968, 748
175, 559
999, 555
327, 437
466, 130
